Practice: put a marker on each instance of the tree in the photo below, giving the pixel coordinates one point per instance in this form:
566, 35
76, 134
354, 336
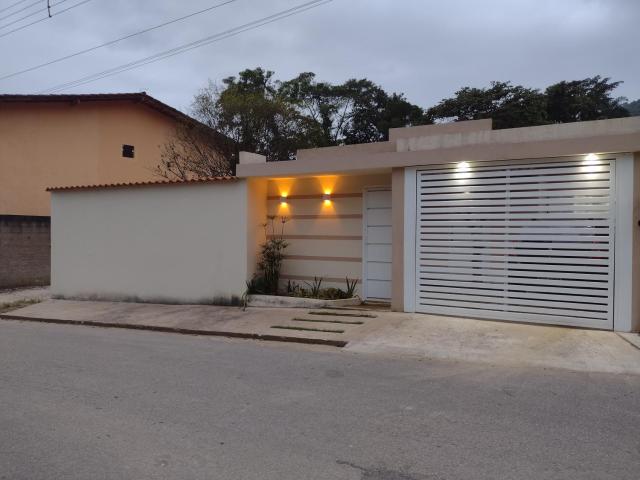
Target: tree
196, 151
633, 107
508, 105
358, 111
250, 110
581, 100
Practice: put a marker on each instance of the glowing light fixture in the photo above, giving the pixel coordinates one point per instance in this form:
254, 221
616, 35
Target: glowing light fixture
283, 198
463, 167
463, 171
326, 197
591, 165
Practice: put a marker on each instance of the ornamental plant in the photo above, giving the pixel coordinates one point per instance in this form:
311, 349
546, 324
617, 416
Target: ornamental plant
272, 254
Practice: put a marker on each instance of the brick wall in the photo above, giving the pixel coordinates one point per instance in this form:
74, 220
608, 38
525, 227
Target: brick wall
25, 250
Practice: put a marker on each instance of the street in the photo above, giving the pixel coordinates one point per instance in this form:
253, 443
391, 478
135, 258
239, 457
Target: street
90, 403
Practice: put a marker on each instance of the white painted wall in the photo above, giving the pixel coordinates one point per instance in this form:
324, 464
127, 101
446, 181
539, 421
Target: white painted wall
171, 243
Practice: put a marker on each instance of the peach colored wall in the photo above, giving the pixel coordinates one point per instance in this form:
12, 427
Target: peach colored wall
325, 238
397, 240
56, 144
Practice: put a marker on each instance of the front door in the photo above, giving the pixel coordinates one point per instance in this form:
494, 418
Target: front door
377, 245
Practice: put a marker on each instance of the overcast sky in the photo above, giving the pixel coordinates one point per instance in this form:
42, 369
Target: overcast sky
426, 49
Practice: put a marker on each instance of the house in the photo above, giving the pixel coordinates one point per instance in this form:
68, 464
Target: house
535, 224
68, 139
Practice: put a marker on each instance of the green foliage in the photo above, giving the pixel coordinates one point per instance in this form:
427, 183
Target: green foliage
582, 100
512, 106
632, 107
314, 288
508, 105
276, 118
271, 256
351, 287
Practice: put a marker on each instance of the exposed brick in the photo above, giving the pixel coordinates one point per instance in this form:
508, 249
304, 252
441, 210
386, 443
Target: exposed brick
25, 251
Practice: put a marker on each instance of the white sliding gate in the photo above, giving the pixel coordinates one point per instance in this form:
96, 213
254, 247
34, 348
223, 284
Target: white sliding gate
524, 242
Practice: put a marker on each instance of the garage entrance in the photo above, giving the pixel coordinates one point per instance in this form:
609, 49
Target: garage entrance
527, 242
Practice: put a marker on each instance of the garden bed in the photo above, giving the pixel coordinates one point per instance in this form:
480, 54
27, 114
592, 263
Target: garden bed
299, 302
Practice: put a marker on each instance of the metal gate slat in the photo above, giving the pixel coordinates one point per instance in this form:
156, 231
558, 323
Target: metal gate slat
517, 241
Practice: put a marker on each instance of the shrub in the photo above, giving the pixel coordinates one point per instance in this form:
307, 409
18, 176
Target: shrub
271, 256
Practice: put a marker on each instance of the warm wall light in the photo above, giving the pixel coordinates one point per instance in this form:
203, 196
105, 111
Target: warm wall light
283, 199
326, 197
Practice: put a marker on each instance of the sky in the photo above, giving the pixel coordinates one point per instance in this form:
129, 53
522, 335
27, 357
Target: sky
426, 49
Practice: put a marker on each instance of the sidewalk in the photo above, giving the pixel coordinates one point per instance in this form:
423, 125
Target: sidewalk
20, 294
278, 324
365, 332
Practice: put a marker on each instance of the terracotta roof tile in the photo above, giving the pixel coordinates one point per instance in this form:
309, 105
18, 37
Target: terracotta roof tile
142, 184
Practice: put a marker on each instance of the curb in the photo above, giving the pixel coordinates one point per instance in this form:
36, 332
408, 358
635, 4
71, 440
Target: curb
184, 331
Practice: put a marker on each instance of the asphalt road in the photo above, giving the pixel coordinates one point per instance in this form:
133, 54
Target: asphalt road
89, 403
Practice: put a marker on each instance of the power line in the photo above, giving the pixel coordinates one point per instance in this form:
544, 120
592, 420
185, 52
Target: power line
28, 15
45, 18
9, 7
111, 42
21, 10
189, 46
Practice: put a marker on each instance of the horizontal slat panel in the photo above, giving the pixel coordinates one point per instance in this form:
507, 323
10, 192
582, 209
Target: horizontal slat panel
451, 174
515, 308
513, 229
511, 259
381, 253
472, 180
584, 195
433, 252
529, 217
512, 267
602, 244
458, 286
598, 281
511, 301
511, 224
378, 199
550, 271
473, 209
379, 235
530, 241
378, 289
379, 216
514, 297
538, 187
515, 239
379, 271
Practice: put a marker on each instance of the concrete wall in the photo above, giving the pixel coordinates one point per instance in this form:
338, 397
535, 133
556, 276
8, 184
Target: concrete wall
57, 144
167, 243
325, 237
25, 251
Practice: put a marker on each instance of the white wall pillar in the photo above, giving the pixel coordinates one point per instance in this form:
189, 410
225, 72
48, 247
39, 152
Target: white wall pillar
409, 253
626, 314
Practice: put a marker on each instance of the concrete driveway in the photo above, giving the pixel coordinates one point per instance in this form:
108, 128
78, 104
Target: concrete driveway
368, 332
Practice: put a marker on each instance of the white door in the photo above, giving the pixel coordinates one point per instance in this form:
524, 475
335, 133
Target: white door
377, 245
524, 242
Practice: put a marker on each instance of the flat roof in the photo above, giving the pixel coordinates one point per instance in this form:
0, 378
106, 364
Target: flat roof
418, 146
